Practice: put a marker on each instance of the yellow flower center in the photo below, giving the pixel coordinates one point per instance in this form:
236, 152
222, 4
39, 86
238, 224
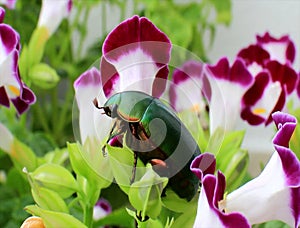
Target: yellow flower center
14, 90
259, 111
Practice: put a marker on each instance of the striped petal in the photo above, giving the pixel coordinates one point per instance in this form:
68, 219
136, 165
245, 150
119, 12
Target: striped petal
136, 54
275, 193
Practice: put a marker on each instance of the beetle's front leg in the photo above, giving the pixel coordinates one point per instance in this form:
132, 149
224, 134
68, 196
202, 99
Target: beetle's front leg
134, 168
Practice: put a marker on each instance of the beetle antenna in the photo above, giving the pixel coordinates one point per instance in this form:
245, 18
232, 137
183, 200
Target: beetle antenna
95, 102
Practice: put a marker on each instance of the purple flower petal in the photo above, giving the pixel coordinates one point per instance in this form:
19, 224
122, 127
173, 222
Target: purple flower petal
282, 49
284, 74
254, 54
139, 52
208, 213
261, 99
91, 122
286, 125
101, 209
277, 186
4, 100
203, 164
23, 101
227, 87
186, 88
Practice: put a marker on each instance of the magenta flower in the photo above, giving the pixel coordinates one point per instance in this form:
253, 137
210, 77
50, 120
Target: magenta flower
275, 193
101, 209
269, 61
11, 86
227, 85
135, 57
186, 87
213, 188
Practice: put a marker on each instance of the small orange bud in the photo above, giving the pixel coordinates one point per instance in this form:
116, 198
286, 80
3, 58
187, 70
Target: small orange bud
33, 222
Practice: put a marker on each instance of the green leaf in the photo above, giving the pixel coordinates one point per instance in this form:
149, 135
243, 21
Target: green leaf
173, 202
55, 219
89, 162
23, 156
56, 178
121, 162
145, 194
119, 217
43, 76
223, 10
49, 200
58, 156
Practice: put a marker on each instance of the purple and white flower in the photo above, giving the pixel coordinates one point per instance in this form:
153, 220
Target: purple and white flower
186, 88
12, 89
213, 188
275, 193
135, 57
101, 209
227, 85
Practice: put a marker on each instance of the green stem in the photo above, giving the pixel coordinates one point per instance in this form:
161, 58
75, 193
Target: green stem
88, 216
41, 118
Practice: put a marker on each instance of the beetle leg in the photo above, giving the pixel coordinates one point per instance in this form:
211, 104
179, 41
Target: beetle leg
109, 138
134, 168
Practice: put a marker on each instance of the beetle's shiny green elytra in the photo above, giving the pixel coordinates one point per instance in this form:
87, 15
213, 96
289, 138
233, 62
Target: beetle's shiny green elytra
156, 135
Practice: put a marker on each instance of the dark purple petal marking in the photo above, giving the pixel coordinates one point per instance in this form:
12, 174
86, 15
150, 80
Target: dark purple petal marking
279, 105
254, 53
290, 50
203, 164
252, 96
284, 74
4, 100
238, 73
9, 38
286, 125
109, 75
22, 102
134, 31
129, 36
298, 85
214, 189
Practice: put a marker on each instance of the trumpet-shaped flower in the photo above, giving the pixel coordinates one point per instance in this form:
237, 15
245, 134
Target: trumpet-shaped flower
269, 61
135, 57
52, 13
281, 49
227, 84
275, 193
11, 87
186, 88
91, 123
213, 187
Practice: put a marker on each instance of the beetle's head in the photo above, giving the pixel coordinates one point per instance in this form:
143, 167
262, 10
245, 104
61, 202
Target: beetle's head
110, 110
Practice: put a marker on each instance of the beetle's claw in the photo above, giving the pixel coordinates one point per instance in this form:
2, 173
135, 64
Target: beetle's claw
104, 153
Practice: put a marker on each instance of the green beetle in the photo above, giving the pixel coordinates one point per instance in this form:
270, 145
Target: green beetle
156, 135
